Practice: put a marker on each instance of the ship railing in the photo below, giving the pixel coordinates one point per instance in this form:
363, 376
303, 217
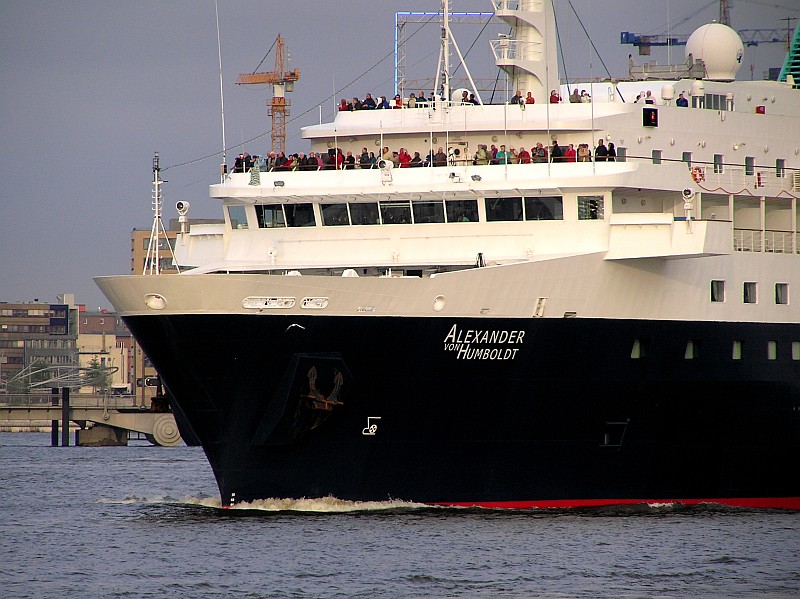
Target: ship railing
76, 400
505, 5
508, 49
772, 241
726, 177
710, 176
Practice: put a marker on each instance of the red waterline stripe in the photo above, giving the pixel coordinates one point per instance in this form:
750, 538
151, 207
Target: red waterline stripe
786, 503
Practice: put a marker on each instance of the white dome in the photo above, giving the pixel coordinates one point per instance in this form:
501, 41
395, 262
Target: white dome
720, 48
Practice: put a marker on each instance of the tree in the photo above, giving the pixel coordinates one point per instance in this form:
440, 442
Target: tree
98, 376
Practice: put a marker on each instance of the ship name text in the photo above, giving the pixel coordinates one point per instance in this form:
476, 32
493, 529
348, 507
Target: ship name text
464, 341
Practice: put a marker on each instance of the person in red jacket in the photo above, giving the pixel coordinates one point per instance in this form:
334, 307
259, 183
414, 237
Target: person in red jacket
404, 158
570, 155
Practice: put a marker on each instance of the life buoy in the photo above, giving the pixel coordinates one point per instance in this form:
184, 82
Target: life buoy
698, 174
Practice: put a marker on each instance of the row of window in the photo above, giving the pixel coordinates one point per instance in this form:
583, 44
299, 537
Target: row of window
50, 343
163, 244
590, 207
640, 349
24, 328
18, 312
749, 292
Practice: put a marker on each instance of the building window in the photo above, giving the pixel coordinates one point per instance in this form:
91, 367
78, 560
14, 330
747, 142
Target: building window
772, 350
781, 293
749, 165
718, 163
692, 349
738, 349
795, 350
590, 208
780, 167
750, 292
687, 158
717, 291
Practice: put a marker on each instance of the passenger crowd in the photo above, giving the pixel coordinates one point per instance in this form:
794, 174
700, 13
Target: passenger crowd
337, 159
345, 160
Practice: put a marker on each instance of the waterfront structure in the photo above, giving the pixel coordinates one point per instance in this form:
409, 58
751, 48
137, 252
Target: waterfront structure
36, 335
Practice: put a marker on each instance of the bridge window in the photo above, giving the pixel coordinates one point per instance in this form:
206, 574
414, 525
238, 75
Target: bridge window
428, 212
270, 216
749, 165
544, 208
795, 350
503, 209
590, 208
299, 215
364, 214
738, 350
461, 211
238, 217
687, 158
396, 213
334, 214
718, 167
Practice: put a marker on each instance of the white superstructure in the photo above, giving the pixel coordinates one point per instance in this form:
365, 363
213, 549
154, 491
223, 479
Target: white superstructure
697, 194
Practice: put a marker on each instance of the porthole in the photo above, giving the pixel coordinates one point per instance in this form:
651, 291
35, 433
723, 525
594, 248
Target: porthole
155, 301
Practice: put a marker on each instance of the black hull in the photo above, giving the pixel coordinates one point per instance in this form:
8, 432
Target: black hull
544, 412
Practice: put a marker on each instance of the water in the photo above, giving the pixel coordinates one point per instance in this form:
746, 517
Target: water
144, 521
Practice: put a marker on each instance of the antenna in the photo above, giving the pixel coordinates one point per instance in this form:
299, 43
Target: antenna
446, 49
224, 167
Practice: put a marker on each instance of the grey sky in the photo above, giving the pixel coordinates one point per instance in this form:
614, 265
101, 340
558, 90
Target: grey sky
92, 88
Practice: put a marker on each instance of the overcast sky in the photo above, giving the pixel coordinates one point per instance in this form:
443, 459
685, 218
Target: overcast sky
90, 89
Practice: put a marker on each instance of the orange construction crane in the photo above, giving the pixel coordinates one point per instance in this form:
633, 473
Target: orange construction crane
282, 81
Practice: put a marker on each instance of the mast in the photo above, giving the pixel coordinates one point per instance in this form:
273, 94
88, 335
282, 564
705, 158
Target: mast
152, 262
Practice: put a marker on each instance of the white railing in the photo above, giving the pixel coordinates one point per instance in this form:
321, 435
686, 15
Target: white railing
736, 179
505, 49
753, 240
76, 400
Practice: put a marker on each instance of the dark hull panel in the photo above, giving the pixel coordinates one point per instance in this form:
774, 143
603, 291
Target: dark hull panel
496, 412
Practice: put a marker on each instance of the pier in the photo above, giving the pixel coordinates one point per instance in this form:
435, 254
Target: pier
97, 419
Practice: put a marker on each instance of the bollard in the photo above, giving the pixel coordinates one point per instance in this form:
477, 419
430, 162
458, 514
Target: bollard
65, 417
54, 423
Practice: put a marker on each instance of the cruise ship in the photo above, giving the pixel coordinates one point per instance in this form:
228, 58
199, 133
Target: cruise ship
505, 332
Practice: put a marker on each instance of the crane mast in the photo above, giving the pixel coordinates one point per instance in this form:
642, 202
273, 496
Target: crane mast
282, 81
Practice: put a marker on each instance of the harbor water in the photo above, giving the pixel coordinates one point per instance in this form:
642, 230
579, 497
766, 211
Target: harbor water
144, 521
